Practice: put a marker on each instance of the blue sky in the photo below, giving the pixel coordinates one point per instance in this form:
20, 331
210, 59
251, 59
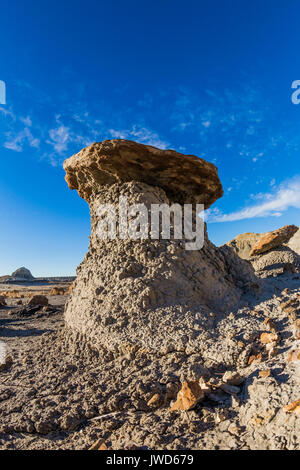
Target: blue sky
211, 78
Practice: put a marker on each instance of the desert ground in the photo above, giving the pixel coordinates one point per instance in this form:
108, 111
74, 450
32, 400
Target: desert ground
51, 399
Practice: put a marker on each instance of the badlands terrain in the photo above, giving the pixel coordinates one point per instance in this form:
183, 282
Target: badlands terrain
153, 346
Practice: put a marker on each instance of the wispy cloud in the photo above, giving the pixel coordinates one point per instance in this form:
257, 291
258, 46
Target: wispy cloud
15, 141
140, 134
273, 204
59, 138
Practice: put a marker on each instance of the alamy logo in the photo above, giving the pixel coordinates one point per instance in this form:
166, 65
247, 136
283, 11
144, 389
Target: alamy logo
2, 92
161, 221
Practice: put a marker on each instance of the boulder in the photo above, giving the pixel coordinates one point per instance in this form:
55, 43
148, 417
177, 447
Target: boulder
38, 300
273, 239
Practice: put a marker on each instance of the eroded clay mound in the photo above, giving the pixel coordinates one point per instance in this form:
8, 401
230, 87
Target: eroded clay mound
243, 244
22, 274
151, 294
279, 261
294, 243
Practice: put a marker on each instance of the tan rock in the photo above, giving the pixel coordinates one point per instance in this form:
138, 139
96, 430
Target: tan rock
272, 350
293, 407
120, 276
232, 378
294, 355
297, 324
254, 358
188, 397
290, 307
155, 401
265, 373
273, 239
234, 429
99, 445
220, 417
266, 338
57, 291
192, 179
270, 324
71, 287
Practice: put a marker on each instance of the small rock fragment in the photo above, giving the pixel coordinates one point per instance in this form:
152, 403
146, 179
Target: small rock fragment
99, 445
230, 389
155, 401
266, 338
265, 373
294, 355
188, 397
232, 378
270, 324
234, 429
6, 363
293, 407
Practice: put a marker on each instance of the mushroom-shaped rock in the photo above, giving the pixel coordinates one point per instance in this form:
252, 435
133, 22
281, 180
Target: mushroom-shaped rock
147, 293
184, 178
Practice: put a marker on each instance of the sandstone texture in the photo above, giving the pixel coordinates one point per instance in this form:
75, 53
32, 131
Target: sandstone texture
273, 239
148, 294
184, 178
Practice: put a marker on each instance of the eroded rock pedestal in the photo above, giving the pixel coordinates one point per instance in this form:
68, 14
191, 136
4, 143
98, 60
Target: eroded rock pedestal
148, 294
271, 254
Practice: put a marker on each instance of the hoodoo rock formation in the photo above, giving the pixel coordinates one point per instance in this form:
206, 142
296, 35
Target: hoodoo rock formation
272, 253
151, 294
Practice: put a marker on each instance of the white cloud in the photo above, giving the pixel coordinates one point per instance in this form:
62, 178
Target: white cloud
7, 112
59, 138
272, 205
140, 134
27, 121
17, 141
